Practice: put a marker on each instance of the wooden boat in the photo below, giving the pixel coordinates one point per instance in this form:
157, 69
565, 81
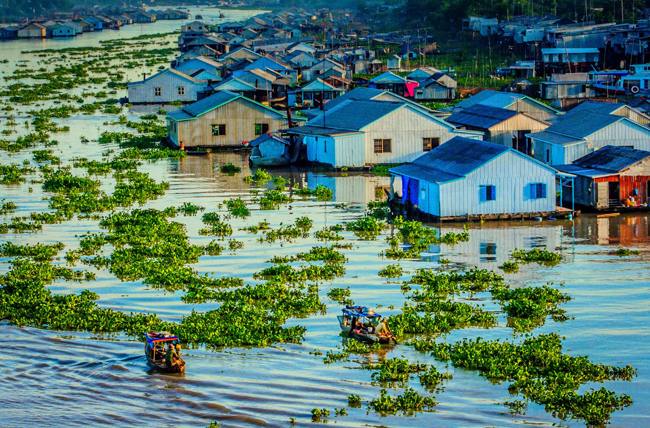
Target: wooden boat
272, 150
154, 350
365, 325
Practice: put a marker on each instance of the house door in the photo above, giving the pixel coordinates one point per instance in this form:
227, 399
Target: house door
614, 193
520, 142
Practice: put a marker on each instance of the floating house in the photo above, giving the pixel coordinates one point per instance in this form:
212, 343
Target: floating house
325, 67
438, 86
580, 133
510, 101
570, 60
394, 62
469, 178
166, 86
317, 92
237, 86
210, 67
32, 31
567, 89
8, 33
95, 23
611, 177
394, 83
358, 133
61, 30
224, 119
499, 125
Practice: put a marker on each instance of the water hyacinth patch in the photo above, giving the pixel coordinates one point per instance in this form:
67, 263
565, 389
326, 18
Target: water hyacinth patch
539, 370
229, 169
237, 208
537, 255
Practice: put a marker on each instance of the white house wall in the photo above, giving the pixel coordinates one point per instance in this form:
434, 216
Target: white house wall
143, 92
511, 174
406, 129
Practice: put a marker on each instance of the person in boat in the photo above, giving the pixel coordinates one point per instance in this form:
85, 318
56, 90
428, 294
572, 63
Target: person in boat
172, 355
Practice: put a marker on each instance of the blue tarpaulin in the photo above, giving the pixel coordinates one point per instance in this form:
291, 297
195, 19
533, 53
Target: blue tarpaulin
410, 189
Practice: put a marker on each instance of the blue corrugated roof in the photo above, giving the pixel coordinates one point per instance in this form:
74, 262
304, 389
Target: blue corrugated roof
234, 84
596, 106
388, 77
179, 115
452, 160
481, 116
208, 103
568, 50
498, 99
612, 158
582, 124
354, 115
265, 137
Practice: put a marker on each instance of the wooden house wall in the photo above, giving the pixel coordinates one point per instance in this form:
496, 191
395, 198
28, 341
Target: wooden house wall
502, 132
532, 109
511, 174
239, 117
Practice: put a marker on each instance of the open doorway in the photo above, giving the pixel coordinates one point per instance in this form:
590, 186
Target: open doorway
614, 193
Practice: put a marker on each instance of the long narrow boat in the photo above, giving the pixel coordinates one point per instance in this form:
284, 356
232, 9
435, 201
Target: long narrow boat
154, 349
362, 324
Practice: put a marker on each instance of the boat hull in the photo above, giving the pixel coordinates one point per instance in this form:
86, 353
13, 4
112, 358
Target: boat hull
269, 161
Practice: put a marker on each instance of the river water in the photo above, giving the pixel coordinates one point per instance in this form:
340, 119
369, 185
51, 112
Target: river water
76, 379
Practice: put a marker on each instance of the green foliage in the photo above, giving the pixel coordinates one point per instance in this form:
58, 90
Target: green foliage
624, 252
366, 227
539, 370
237, 208
537, 255
510, 266
409, 402
354, 400
391, 271
528, 307
340, 295
229, 168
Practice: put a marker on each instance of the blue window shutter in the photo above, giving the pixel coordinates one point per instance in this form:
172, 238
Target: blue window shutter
483, 193
542, 190
493, 192
528, 191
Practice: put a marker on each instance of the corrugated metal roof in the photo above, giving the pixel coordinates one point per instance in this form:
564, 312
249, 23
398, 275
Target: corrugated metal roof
481, 116
596, 106
452, 160
208, 103
234, 84
266, 137
582, 124
179, 115
568, 50
612, 158
388, 77
318, 130
585, 172
319, 85
354, 115
498, 99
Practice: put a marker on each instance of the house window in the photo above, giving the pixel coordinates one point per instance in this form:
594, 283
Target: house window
219, 129
537, 190
382, 145
430, 143
548, 156
157, 92
488, 193
181, 90
261, 128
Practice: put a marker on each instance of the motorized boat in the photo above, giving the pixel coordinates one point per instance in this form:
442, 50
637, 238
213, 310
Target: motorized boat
155, 349
365, 325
